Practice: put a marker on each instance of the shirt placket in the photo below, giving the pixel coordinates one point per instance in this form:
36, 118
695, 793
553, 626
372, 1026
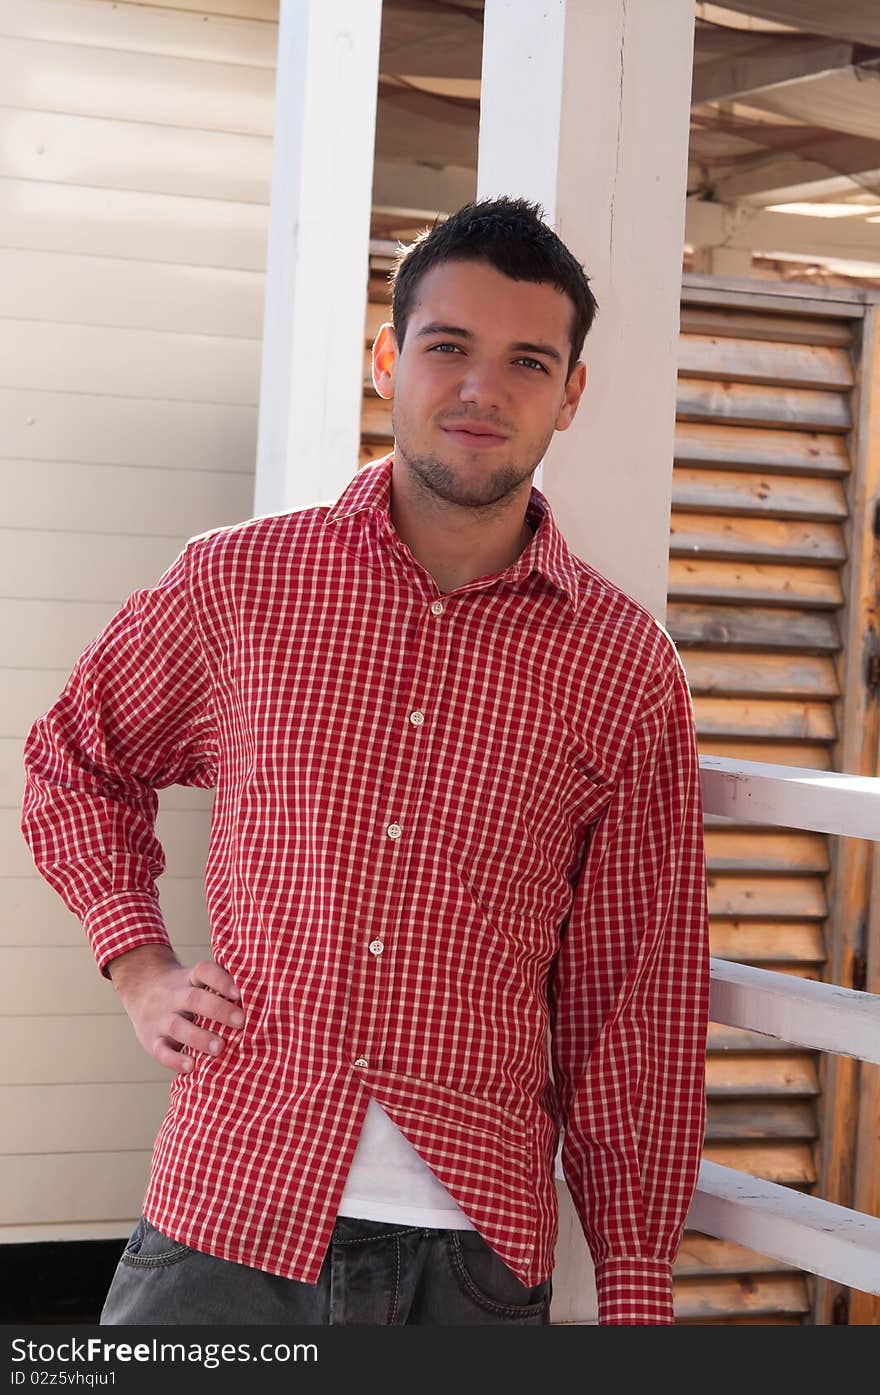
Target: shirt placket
402, 796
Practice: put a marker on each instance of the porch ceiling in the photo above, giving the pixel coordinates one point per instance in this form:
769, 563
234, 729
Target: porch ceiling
786, 99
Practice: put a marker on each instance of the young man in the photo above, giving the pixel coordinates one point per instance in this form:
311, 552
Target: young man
457, 805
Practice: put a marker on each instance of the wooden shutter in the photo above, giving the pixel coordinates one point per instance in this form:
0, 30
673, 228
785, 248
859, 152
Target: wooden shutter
763, 543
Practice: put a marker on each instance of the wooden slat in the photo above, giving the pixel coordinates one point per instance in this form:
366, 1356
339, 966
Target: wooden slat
792, 897
735, 292
749, 673
774, 1074
700, 1254
797, 753
742, 583
737, 1040
376, 421
759, 448
378, 312
760, 1119
753, 405
722, 536
782, 329
763, 717
759, 1320
726, 359
785, 1162
763, 495
372, 450
783, 850
807, 756
753, 627
766, 942
717, 1299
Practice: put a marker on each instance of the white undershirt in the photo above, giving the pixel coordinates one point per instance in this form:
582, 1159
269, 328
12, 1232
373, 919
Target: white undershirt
388, 1181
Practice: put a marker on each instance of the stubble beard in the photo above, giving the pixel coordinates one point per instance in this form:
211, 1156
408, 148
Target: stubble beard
440, 478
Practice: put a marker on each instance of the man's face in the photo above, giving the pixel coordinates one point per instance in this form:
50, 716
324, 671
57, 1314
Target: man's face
484, 352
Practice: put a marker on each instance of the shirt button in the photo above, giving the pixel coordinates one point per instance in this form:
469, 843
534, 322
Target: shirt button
376, 946
436, 607
417, 718
394, 830
362, 1061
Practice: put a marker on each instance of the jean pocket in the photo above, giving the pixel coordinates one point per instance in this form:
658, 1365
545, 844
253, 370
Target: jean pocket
492, 1284
148, 1248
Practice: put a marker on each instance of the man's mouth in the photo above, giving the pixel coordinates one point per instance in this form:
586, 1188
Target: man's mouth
475, 435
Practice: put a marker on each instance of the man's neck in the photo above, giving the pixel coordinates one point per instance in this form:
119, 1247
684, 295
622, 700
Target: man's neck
454, 556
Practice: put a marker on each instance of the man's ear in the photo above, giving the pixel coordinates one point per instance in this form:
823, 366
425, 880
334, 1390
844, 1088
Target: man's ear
573, 391
384, 360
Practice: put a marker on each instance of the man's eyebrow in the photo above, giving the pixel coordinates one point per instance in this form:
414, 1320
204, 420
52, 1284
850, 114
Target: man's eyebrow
522, 347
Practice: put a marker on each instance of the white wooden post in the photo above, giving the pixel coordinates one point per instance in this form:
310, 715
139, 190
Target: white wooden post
311, 384
585, 107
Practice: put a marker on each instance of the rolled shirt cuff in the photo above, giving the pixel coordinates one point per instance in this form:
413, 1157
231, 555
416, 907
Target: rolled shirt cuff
122, 922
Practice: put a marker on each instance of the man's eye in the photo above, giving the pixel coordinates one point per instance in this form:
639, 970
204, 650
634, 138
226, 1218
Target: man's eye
534, 362
444, 346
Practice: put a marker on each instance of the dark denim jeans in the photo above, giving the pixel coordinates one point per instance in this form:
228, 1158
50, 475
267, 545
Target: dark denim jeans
375, 1273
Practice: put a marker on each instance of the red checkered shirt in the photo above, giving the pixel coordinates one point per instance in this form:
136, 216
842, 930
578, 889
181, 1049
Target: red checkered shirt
455, 840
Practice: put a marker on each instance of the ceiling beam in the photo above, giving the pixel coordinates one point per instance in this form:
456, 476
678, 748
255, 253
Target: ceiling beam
787, 177
755, 229
420, 40
857, 20
770, 63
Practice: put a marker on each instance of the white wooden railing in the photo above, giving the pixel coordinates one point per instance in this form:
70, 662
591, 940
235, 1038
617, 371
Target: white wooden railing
805, 1231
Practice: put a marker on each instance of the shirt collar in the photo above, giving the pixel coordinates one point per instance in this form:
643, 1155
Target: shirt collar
548, 553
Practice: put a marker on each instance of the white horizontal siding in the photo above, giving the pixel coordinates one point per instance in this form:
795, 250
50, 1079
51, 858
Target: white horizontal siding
90, 429
82, 1117
51, 497
135, 162
31, 915
82, 290
63, 1187
207, 31
75, 1047
80, 566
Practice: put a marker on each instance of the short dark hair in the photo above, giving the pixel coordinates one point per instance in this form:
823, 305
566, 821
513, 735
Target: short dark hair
511, 235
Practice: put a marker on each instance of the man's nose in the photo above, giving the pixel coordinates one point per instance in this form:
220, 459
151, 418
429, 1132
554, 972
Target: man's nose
481, 383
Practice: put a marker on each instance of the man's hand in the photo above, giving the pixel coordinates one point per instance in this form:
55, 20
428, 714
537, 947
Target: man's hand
162, 998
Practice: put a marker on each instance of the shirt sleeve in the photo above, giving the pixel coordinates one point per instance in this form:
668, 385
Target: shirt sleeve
629, 1004
135, 715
